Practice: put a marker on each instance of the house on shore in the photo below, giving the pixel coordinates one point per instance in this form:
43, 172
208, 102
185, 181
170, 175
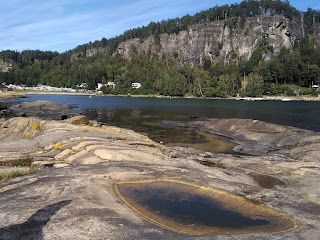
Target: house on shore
136, 85
109, 84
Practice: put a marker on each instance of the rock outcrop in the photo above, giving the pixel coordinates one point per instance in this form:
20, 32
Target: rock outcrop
254, 137
220, 40
43, 109
11, 95
6, 66
76, 196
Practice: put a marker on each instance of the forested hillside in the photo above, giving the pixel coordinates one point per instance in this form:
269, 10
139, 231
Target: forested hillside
266, 70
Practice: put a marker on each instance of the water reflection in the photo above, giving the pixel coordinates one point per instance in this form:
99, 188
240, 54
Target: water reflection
147, 123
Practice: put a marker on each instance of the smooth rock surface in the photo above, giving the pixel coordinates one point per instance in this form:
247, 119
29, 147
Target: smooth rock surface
76, 197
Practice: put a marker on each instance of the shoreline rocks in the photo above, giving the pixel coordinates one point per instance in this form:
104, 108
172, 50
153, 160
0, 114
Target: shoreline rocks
11, 95
43, 109
257, 138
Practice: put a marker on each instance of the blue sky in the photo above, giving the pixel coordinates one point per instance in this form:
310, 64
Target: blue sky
60, 25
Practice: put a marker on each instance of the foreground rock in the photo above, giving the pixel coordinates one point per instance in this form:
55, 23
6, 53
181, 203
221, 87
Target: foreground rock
76, 196
11, 95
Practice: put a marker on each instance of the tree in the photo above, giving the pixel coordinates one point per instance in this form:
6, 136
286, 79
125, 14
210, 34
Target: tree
228, 84
206, 62
314, 74
254, 85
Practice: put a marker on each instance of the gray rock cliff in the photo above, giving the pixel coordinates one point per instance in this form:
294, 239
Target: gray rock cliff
220, 40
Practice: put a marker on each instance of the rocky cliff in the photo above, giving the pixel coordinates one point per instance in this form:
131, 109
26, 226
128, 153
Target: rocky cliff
222, 40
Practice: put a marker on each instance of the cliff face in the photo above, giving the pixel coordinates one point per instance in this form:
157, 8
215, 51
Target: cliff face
218, 40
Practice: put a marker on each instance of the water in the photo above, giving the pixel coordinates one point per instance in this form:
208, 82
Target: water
193, 210
131, 111
144, 115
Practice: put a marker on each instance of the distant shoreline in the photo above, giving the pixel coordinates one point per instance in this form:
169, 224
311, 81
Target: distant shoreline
266, 98
59, 93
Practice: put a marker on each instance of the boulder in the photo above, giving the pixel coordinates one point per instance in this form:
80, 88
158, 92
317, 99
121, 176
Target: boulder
78, 120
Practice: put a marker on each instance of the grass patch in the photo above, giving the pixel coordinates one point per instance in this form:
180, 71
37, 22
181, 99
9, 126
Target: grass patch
13, 173
23, 162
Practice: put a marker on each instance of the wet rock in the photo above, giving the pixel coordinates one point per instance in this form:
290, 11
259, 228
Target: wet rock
260, 138
43, 109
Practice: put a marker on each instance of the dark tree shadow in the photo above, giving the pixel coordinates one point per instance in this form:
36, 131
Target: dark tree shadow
32, 228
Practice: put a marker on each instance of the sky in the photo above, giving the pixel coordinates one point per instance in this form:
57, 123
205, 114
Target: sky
61, 25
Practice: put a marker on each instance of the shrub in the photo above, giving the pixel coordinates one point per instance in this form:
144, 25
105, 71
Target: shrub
307, 91
242, 94
290, 92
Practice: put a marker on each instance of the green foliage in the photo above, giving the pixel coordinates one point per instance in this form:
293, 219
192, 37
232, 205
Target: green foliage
307, 91
27, 57
315, 93
206, 62
271, 89
290, 92
310, 91
242, 94
106, 90
229, 84
254, 86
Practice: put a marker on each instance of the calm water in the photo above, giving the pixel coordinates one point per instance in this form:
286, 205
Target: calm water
179, 203
192, 210
144, 115
132, 112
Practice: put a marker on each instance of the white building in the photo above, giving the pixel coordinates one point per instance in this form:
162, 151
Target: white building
136, 85
112, 84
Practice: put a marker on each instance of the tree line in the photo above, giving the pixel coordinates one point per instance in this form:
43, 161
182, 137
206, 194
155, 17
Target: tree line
27, 57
